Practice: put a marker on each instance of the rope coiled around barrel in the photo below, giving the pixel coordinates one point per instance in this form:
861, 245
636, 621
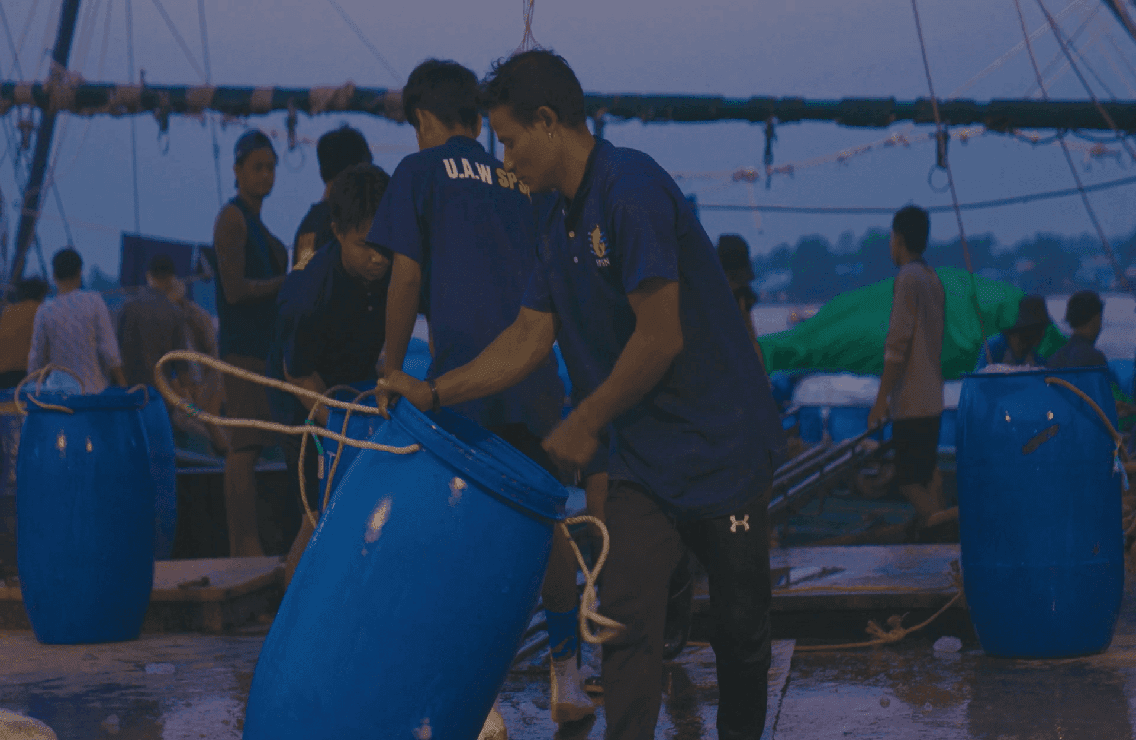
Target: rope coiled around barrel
608, 628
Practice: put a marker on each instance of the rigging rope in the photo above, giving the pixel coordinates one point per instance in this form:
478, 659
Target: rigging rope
212, 119
11, 41
528, 41
131, 75
1064, 148
946, 164
28, 25
177, 37
398, 78
1077, 71
878, 211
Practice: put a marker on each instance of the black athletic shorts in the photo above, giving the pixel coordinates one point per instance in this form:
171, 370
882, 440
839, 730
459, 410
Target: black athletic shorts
916, 449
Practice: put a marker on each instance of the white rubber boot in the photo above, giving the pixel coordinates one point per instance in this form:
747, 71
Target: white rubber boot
18, 727
494, 727
569, 702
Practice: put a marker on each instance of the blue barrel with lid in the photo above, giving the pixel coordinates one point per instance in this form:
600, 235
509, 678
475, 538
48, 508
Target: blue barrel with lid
359, 426
412, 598
1042, 544
85, 534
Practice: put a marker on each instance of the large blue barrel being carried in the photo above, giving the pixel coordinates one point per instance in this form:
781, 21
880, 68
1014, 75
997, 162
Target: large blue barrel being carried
1039, 513
163, 469
86, 525
412, 598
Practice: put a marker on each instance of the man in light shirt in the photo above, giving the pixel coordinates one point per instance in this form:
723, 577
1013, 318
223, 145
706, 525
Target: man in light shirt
911, 387
74, 331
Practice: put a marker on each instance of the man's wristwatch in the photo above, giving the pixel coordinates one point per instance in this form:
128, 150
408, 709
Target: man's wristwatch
436, 404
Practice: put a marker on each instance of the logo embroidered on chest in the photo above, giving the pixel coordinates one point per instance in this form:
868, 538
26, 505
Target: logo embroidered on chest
599, 247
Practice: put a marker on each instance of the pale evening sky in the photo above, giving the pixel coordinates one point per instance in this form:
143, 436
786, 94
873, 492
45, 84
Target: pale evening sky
819, 49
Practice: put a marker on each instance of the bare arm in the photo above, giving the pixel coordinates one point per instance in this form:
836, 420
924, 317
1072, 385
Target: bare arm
402, 310
313, 383
305, 248
229, 234
511, 358
648, 354
652, 347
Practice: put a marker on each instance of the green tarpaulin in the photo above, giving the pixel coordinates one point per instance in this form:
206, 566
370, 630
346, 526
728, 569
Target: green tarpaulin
848, 333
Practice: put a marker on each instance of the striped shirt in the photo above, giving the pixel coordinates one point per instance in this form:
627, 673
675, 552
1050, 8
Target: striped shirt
74, 331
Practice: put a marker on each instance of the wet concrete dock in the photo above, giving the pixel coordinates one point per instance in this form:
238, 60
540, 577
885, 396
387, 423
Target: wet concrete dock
182, 686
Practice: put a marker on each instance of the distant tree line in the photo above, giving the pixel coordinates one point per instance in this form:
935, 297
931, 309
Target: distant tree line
815, 269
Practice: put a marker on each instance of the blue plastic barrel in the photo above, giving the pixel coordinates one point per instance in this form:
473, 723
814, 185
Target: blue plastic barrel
10, 423
163, 469
85, 534
1039, 514
412, 598
359, 426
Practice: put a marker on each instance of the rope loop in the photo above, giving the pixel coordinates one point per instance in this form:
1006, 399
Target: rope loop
39, 376
609, 629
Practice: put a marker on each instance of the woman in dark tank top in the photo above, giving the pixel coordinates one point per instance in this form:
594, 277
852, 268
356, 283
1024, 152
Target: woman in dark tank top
251, 265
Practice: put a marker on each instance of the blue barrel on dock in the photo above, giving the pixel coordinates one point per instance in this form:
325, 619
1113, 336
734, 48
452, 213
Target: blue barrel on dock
1039, 513
163, 469
412, 598
85, 534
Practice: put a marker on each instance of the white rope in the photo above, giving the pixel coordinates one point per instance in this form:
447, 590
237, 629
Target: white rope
609, 628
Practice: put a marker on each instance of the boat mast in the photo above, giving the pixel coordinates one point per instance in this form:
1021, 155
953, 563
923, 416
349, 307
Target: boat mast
30, 212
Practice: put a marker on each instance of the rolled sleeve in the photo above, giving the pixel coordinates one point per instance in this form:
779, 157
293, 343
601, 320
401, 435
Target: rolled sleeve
644, 218
901, 328
396, 225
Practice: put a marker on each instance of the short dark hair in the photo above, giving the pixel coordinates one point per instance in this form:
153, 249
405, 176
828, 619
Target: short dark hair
1082, 307
524, 82
66, 264
355, 196
446, 89
914, 225
733, 253
162, 265
339, 149
31, 289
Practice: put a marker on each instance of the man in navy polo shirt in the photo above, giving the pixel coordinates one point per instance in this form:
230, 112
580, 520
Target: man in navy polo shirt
331, 322
464, 241
630, 286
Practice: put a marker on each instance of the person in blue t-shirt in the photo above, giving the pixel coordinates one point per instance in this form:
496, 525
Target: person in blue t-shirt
330, 323
1018, 344
629, 285
336, 151
463, 237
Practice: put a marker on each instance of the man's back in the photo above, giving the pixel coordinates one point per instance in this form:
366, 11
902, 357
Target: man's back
73, 331
469, 224
915, 338
1078, 352
149, 326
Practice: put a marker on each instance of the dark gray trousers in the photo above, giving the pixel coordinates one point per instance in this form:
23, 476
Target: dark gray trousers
646, 545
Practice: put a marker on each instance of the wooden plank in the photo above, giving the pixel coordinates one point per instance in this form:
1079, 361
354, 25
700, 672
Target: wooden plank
228, 579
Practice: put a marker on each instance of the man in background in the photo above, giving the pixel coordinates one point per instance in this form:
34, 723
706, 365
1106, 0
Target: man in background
16, 324
1083, 314
74, 331
336, 150
150, 325
733, 253
1018, 344
911, 386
